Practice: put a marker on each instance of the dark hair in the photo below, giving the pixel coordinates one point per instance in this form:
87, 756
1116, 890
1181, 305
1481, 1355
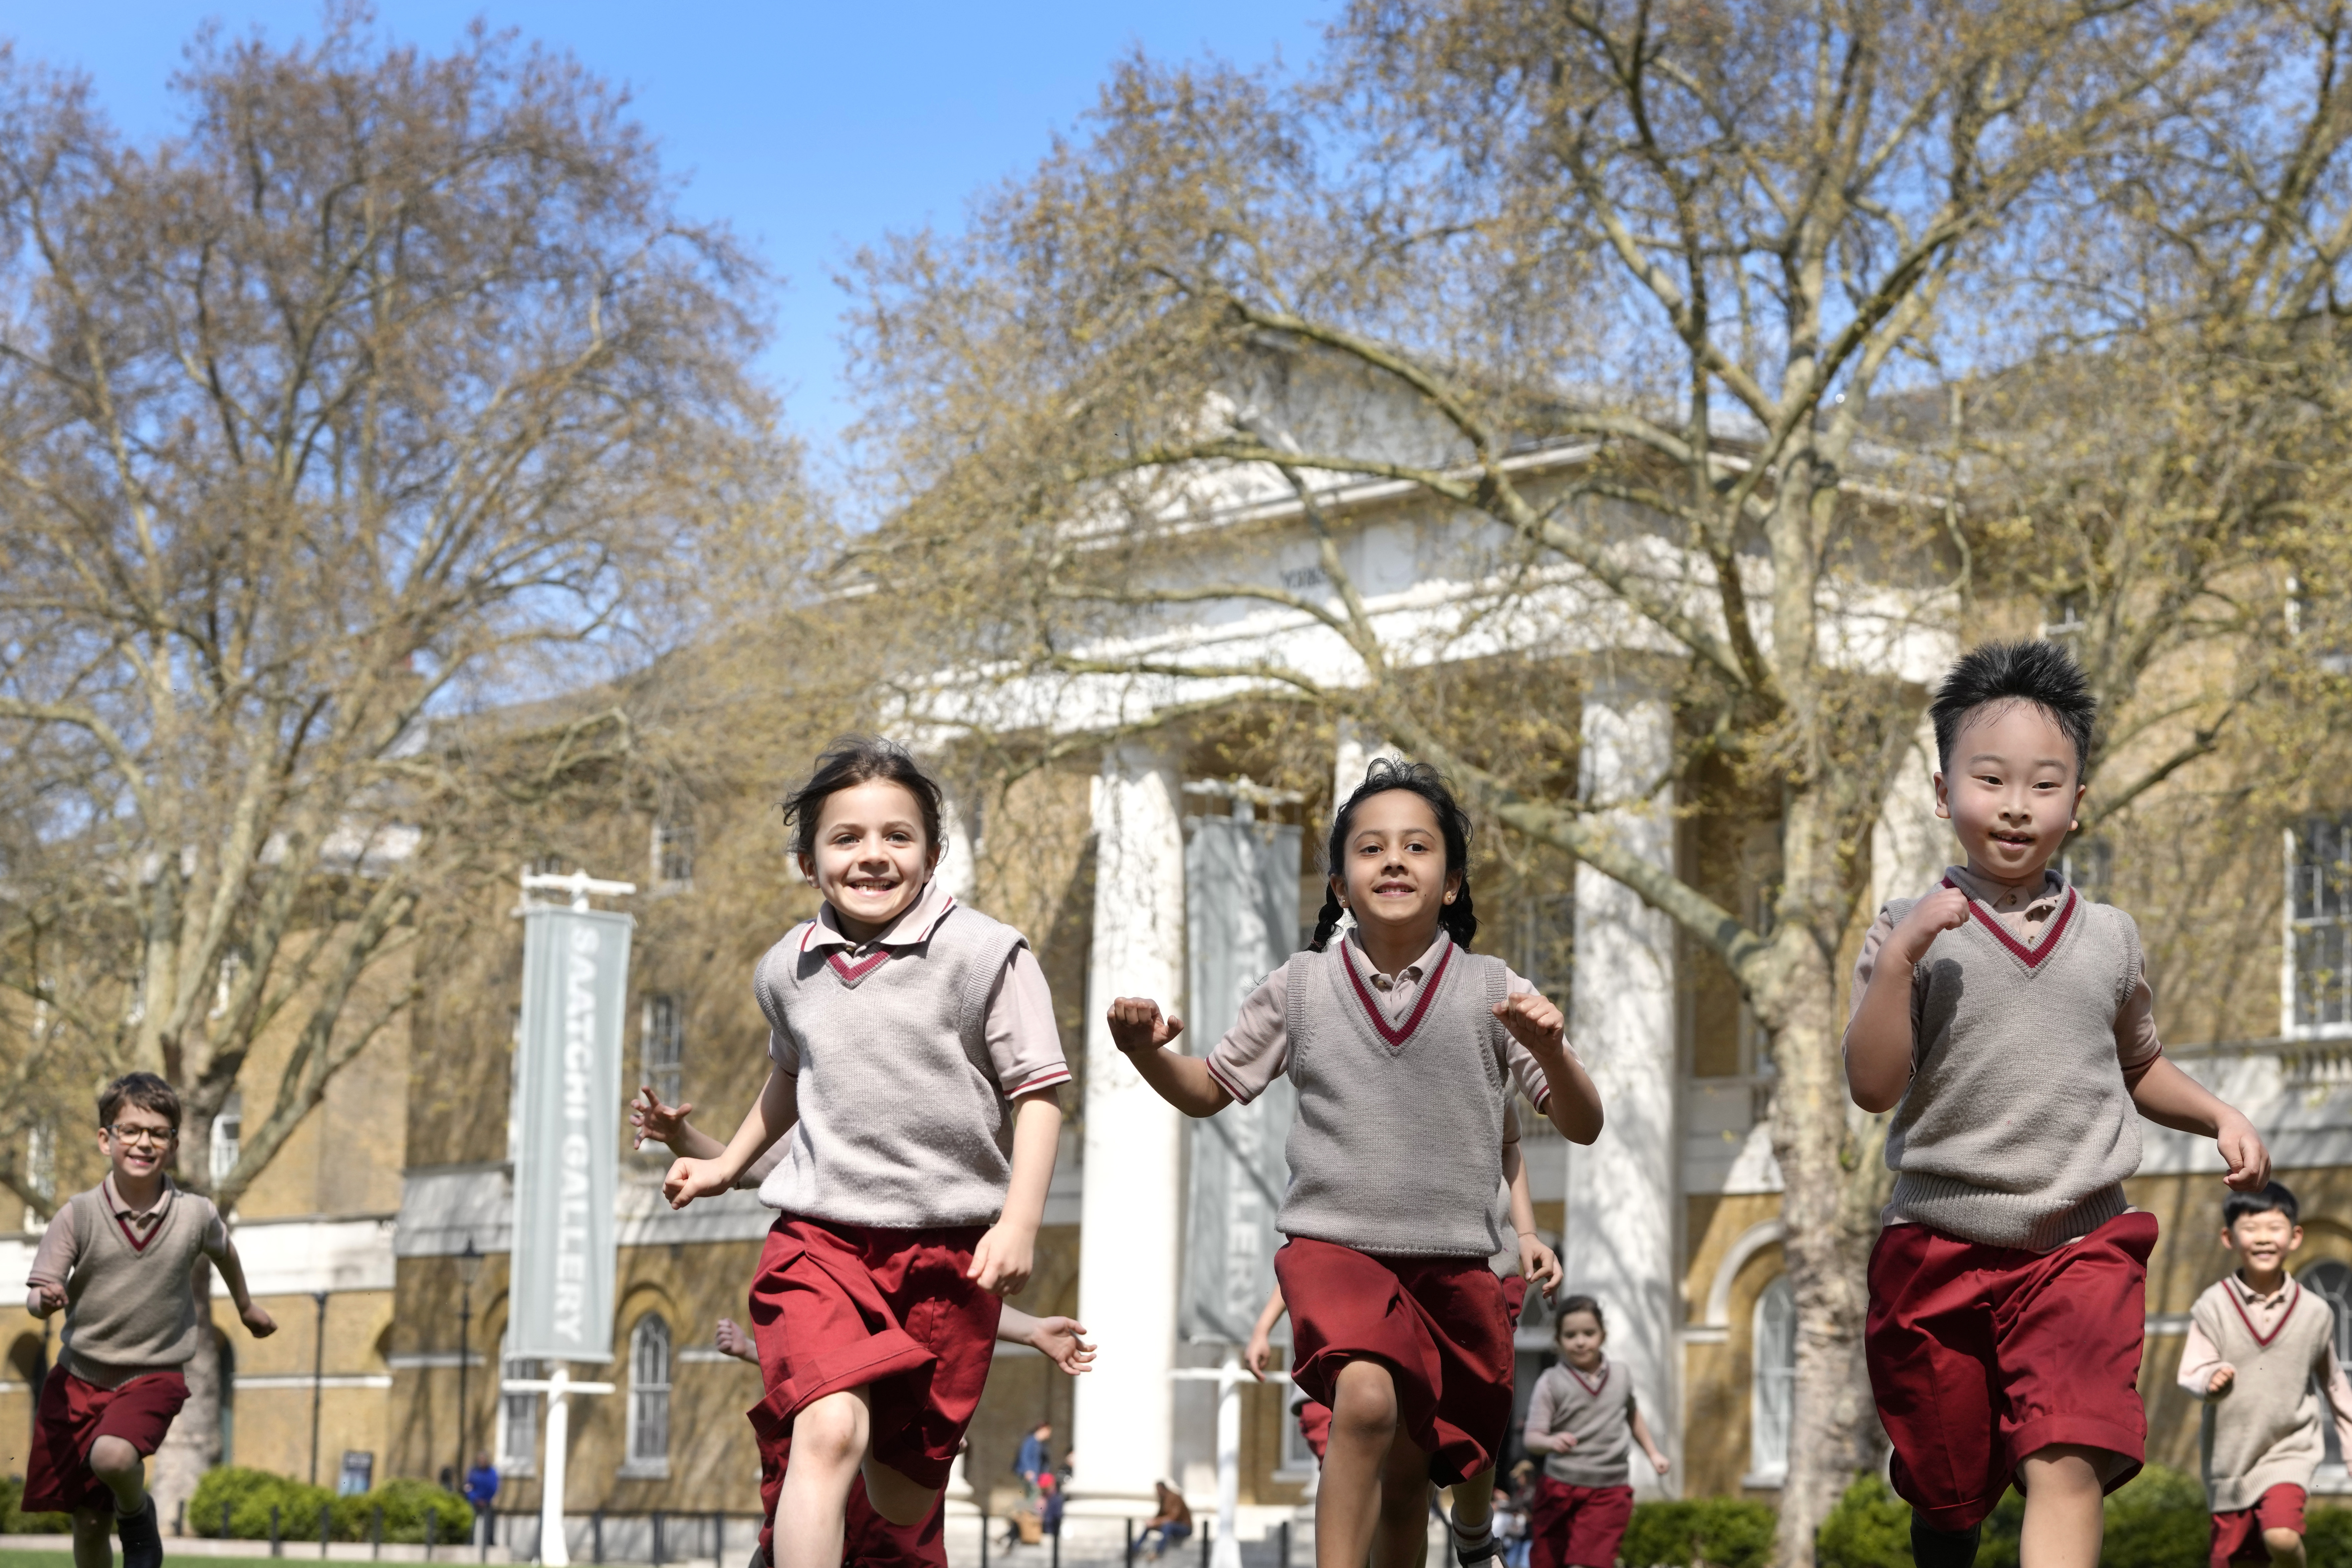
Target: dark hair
2040, 672
1460, 920
852, 761
144, 1090
2272, 1199
1573, 1304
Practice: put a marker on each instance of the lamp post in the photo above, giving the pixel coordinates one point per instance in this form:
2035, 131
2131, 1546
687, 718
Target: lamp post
469, 1268
318, 1378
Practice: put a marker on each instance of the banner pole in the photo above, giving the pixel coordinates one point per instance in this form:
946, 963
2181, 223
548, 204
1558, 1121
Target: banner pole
554, 1550
1226, 1552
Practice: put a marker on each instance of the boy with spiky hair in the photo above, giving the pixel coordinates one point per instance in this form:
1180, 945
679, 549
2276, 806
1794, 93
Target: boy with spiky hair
118, 1260
2009, 1024
2260, 1354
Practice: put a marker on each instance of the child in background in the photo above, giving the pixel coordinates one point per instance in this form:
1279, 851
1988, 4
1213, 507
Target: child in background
1403, 1045
2009, 1024
1583, 1423
118, 1260
915, 1063
2260, 1354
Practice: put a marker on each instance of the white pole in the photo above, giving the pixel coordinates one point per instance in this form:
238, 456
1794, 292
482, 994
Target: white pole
1226, 1551
552, 1549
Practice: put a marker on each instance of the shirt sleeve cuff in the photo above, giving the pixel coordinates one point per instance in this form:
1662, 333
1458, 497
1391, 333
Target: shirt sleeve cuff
1043, 1079
1241, 1097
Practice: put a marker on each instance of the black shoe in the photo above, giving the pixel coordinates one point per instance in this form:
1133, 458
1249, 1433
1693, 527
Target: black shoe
1490, 1547
142, 1538
1930, 1548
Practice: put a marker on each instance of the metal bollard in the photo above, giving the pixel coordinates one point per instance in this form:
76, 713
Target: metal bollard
276, 1548
488, 1516
1285, 1562
432, 1532
1129, 1558
657, 1540
718, 1538
180, 1519
223, 1535
326, 1529
596, 1535
1207, 1529
375, 1532
983, 1533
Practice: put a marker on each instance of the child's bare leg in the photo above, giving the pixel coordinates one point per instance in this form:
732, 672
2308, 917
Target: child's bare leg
894, 1497
829, 1439
2063, 1522
2285, 1547
1400, 1540
93, 1535
1363, 1427
118, 1464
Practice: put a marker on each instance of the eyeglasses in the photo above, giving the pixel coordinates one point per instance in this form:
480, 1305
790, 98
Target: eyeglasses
133, 1137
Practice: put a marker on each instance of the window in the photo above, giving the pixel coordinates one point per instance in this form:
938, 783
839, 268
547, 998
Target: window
1546, 941
648, 1447
40, 1169
2331, 1281
673, 851
2089, 866
228, 1130
662, 1052
2319, 922
518, 1436
1774, 1399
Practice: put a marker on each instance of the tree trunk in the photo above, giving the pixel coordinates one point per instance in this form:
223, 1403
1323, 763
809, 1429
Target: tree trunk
193, 1444
1834, 1429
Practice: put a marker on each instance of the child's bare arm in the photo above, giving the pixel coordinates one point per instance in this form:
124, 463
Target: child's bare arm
1261, 1345
1008, 1251
1061, 1340
770, 1117
1538, 1265
1658, 1460
667, 1126
1141, 1032
1574, 1104
2170, 1098
1878, 1043
252, 1313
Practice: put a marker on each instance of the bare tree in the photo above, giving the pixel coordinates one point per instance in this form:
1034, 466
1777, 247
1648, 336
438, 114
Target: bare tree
1739, 261
392, 389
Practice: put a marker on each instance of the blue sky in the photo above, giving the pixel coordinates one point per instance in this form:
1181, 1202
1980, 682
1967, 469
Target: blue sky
812, 128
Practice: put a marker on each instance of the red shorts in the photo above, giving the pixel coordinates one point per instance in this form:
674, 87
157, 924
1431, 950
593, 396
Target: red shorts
74, 1415
1314, 1426
839, 1306
1580, 1525
870, 1541
1983, 1355
1515, 1296
1438, 1325
2239, 1534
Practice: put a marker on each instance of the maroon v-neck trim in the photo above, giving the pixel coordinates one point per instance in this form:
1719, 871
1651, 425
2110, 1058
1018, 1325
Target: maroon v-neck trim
851, 974
2031, 957
1590, 1387
2264, 1340
1396, 1036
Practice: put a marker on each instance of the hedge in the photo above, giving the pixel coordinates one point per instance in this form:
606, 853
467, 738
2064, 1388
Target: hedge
13, 1521
1725, 1532
249, 1495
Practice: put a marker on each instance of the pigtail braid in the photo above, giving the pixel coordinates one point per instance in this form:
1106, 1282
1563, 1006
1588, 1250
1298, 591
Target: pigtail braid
1327, 920
1459, 918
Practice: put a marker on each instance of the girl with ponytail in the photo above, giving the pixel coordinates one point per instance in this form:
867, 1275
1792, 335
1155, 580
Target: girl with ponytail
1404, 1046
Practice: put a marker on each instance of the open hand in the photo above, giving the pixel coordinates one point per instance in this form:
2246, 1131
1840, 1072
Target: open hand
649, 1118
2250, 1161
1059, 1341
691, 1179
1004, 1258
1946, 909
1534, 1022
2223, 1375
257, 1319
1137, 1025
730, 1339
1538, 1265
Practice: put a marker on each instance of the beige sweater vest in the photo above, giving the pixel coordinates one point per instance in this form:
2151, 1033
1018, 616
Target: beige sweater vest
2263, 1430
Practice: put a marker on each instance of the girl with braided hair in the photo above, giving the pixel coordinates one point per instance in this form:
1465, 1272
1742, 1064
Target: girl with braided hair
1404, 1046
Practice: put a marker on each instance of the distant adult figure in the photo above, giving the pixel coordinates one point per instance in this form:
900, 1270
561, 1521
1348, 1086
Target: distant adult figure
1034, 1460
481, 1482
1173, 1524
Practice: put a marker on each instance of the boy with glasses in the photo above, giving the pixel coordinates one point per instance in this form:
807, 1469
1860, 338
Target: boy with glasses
118, 1259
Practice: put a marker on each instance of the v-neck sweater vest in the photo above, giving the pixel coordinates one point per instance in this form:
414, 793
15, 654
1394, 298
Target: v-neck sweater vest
903, 1125
1397, 1145
2264, 1430
130, 1306
1601, 1416
2017, 1129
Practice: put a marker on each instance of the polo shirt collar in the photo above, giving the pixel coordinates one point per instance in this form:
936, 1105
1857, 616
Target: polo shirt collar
909, 929
115, 1204
1415, 971
2246, 1292
2053, 887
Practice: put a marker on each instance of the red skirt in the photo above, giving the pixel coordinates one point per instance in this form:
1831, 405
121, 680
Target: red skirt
73, 1415
1581, 1527
838, 1307
1438, 1324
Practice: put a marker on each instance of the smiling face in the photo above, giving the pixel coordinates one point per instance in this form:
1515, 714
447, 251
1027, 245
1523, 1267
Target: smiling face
872, 856
2012, 789
1393, 876
138, 1143
1580, 1337
2263, 1240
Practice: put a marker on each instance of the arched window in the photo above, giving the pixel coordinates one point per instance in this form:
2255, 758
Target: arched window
2331, 1281
1774, 1397
518, 1423
648, 1398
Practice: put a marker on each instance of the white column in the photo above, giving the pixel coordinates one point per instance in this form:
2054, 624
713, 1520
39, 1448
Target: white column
1357, 746
1129, 1207
1910, 844
958, 870
1620, 1242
